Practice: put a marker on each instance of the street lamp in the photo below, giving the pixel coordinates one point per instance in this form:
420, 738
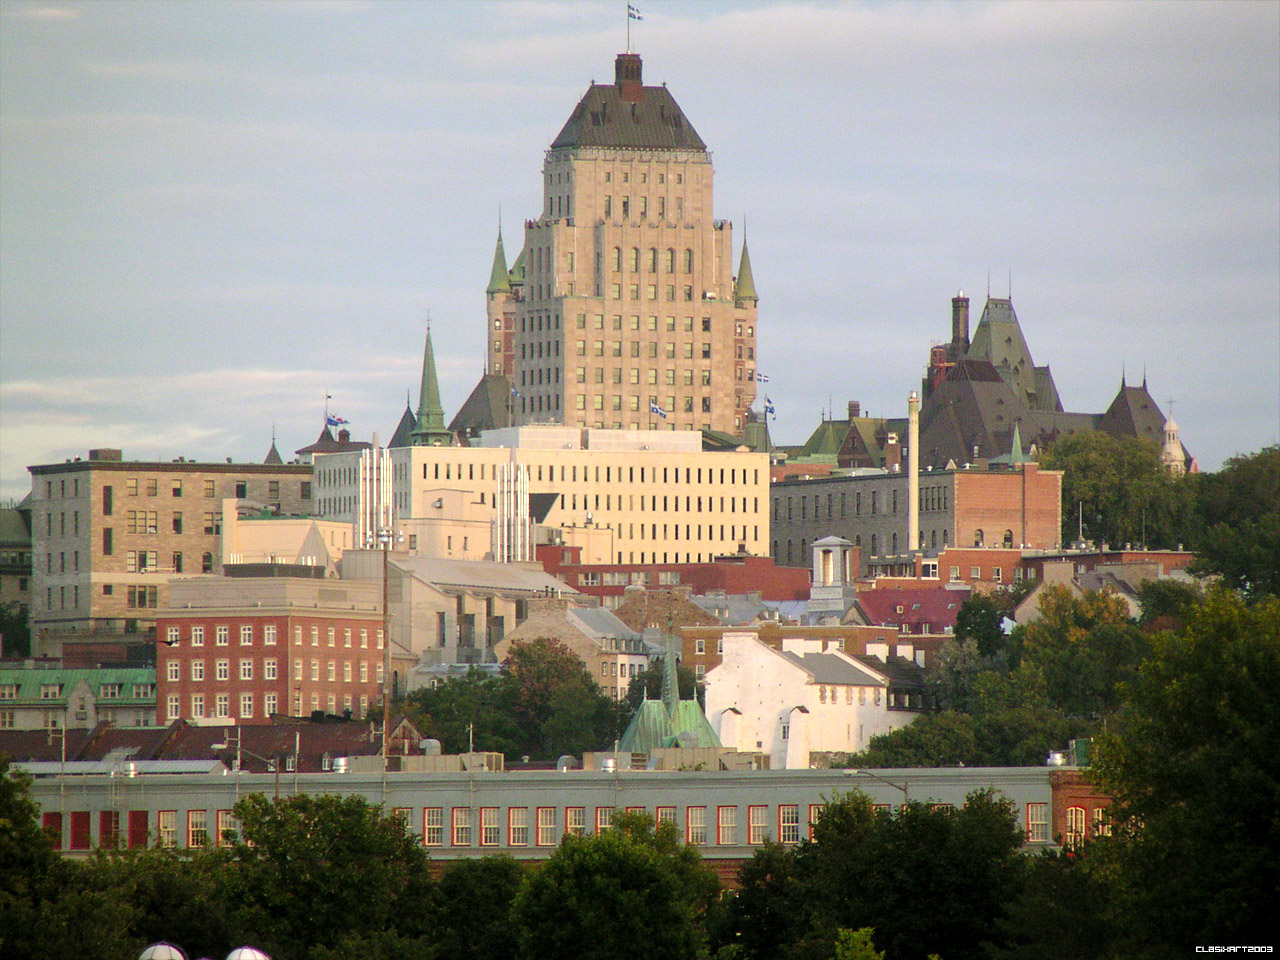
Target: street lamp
906, 798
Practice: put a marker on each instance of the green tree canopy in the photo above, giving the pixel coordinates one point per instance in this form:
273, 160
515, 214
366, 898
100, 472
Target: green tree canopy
1193, 766
556, 703
1240, 509
1121, 490
630, 892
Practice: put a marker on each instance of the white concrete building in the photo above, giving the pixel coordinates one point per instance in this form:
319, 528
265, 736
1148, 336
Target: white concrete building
806, 699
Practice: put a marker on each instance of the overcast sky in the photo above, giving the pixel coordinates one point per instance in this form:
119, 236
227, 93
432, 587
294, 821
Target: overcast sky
211, 214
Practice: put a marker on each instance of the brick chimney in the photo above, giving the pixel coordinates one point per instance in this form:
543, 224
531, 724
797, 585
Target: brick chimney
628, 77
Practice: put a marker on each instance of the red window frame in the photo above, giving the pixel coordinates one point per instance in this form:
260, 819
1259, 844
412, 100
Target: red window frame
512, 825
720, 825
109, 829
665, 815
79, 829
550, 826
490, 813
571, 814
51, 825
218, 817
458, 823
427, 827
688, 826
754, 838
782, 808
604, 817
815, 811
139, 828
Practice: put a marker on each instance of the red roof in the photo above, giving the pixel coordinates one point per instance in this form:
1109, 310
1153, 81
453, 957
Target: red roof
914, 609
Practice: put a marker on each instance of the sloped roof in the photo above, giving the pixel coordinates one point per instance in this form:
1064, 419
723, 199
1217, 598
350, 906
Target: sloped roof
326, 443
653, 121
403, 435
830, 668
273, 455
15, 526
937, 606
485, 408
661, 607
649, 729
1134, 413
599, 622
480, 574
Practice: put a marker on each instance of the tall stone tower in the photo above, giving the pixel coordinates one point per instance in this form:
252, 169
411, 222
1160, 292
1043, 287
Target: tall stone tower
629, 303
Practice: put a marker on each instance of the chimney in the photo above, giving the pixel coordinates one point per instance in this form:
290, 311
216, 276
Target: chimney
855, 409
344, 435
628, 77
959, 325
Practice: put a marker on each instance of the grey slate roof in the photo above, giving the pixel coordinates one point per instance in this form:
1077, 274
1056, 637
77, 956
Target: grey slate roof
828, 668
485, 409
600, 622
480, 574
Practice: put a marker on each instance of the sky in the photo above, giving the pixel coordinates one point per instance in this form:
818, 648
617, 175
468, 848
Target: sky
213, 214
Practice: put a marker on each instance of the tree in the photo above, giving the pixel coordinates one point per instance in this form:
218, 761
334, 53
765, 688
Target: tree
464, 711
1059, 912
15, 630
1192, 765
1166, 602
1240, 511
865, 868
648, 682
631, 891
1121, 490
483, 930
979, 619
312, 871
556, 703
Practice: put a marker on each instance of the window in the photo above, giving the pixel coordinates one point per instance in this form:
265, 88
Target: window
575, 821
757, 820
167, 827
197, 828
269, 635
433, 826
227, 828
695, 819
197, 670
604, 817
1101, 823
174, 671
246, 635
173, 706
109, 828
222, 706
1037, 822
1075, 826
246, 706
268, 669
518, 827
222, 636
270, 704
788, 823
197, 705
666, 815
489, 834
222, 670
546, 826
726, 825
80, 830
246, 669
461, 824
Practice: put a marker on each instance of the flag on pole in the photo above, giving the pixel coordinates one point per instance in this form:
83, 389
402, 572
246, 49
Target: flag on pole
333, 421
515, 392
633, 12
769, 410
761, 377
655, 409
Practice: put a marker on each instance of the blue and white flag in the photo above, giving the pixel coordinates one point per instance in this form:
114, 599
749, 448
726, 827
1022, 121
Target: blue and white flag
654, 408
633, 12
769, 411
515, 392
333, 421
761, 378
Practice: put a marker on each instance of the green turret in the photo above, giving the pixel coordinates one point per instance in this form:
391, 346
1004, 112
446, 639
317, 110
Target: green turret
745, 287
499, 278
430, 430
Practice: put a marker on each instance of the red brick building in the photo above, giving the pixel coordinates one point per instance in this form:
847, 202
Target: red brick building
241, 649
733, 574
1079, 808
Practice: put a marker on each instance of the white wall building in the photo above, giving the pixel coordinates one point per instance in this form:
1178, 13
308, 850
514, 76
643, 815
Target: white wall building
807, 698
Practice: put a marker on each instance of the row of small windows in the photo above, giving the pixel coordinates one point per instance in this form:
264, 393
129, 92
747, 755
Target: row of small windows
222, 670
635, 259
837, 504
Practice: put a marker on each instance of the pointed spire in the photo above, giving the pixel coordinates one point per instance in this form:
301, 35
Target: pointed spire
499, 279
273, 455
430, 429
745, 288
670, 678
1015, 451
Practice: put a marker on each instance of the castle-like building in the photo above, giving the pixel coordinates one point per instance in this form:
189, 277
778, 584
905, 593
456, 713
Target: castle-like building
622, 310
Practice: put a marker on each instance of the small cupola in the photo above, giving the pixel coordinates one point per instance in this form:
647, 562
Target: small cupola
628, 75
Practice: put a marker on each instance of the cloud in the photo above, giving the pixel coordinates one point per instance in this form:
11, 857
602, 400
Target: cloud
41, 14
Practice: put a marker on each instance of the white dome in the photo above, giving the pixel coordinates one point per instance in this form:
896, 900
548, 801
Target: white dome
247, 953
162, 951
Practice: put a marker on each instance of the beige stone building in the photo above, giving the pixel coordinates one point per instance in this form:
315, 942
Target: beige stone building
623, 496
623, 301
108, 533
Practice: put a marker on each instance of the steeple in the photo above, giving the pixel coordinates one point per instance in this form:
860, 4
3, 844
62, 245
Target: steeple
745, 287
273, 455
670, 677
430, 430
499, 278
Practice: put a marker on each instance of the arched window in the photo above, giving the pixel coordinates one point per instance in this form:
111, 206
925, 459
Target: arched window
635, 259
653, 259
1075, 826
874, 553
617, 258
977, 538
671, 260
688, 260
1008, 538
206, 563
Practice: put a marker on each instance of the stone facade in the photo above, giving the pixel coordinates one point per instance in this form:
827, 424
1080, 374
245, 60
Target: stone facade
624, 297
109, 534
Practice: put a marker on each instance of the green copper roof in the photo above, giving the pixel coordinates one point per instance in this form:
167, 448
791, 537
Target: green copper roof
745, 288
499, 279
430, 429
518, 270
688, 719
649, 728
